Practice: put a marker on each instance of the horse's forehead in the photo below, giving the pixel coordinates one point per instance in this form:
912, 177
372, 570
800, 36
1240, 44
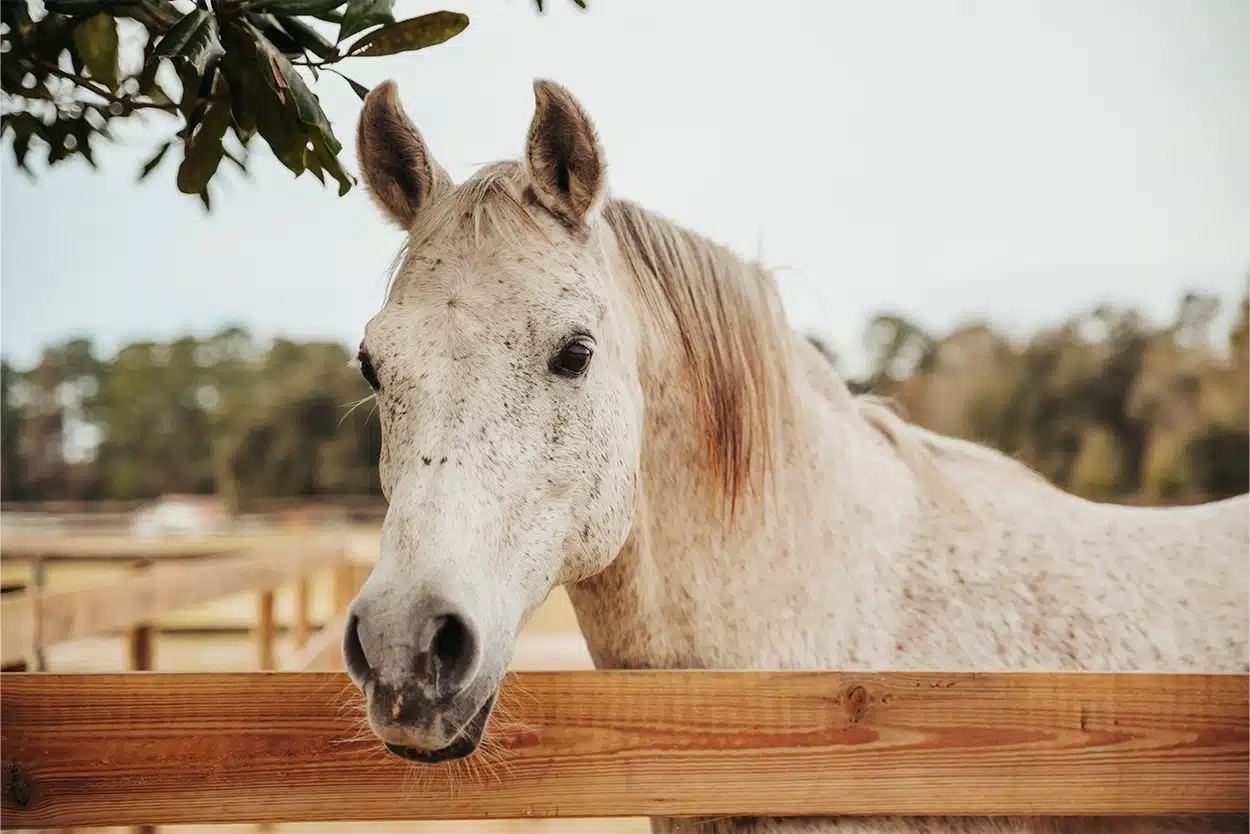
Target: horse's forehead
533, 264
489, 287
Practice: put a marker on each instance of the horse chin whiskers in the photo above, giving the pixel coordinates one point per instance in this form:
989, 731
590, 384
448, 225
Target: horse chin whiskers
464, 742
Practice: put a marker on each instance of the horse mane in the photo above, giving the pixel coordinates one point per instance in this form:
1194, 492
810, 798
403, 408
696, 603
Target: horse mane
723, 314
924, 450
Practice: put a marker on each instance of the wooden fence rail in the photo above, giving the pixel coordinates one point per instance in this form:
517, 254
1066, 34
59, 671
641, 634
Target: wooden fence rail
45, 619
104, 750
123, 547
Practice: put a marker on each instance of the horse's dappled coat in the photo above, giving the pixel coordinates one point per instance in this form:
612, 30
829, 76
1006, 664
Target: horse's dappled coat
709, 490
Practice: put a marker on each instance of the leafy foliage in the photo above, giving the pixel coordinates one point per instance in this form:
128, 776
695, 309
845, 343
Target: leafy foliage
228, 70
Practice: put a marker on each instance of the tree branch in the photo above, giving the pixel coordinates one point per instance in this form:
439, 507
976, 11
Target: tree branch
94, 88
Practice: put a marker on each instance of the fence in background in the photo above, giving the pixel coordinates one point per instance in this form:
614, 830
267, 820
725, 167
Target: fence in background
169, 576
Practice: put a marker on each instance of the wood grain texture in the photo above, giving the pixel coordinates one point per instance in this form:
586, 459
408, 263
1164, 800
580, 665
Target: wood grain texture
96, 750
124, 603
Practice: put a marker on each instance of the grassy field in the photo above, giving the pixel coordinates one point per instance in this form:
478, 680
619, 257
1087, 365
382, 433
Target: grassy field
551, 640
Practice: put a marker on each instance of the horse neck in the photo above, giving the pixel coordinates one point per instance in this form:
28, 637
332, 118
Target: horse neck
670, 597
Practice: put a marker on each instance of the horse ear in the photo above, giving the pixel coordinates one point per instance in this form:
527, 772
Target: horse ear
397, 167
562, 154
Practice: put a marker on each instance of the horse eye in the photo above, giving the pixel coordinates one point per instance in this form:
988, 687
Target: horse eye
573, 359
367, 371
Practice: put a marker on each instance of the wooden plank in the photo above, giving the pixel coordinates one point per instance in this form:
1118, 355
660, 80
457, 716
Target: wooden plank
100, 750
125, 603
140, 644
324, 651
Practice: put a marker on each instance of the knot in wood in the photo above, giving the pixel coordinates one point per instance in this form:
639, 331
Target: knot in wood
17, 787
856, 703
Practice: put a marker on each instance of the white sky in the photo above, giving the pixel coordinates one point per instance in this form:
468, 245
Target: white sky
1013, 159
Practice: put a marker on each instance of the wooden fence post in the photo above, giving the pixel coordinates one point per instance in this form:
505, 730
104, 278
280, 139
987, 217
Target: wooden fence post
139, 658
139, 648
38, 578
140, 639
303, 594
344, 586
297, 522
265, 657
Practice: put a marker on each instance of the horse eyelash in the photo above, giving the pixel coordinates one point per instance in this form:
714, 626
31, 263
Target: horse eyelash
367, 370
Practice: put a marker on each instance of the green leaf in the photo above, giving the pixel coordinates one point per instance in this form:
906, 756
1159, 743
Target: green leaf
156, 15
24, 126
358, 88
581, 4
540, 4
150, 165
21, 145
268, 26
194, 39
75, 61
81, 130
81, 7
96, 41
408, 35
191, 82
240, 163
54, 134
203, 149
283, 76
282, 133
313, 164
267, 56
361, 14
146, 79
332, 16
288, 7
241, 112
330, 163
257, 100
309, 38
308, 108
158, 95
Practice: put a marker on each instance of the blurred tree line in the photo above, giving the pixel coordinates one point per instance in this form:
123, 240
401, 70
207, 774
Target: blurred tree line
1105, 405
226, 413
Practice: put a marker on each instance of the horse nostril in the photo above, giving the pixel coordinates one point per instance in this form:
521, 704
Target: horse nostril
453, 651
354, 657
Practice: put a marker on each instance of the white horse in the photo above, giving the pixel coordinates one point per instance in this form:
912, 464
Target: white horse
576, 391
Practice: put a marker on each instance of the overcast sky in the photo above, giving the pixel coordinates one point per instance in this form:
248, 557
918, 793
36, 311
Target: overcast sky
1018, 160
